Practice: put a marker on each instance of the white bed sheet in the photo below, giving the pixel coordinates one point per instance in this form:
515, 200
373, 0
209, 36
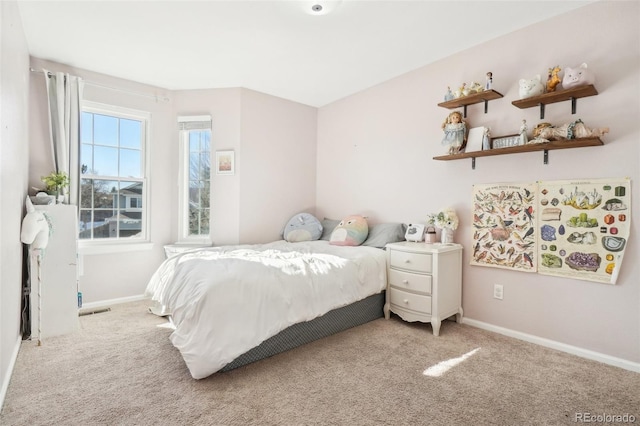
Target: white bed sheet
227, 300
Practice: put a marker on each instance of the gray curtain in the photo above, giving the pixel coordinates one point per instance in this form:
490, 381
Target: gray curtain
64, 93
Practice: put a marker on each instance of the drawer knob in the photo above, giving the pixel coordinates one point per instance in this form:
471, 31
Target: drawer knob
407, 261
406, 302
405, 281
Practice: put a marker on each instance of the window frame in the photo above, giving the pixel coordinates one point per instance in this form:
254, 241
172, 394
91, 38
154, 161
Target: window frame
121, 244
183, 176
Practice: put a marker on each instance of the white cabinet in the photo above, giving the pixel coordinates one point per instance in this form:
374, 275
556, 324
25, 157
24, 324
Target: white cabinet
424, 282
57, 311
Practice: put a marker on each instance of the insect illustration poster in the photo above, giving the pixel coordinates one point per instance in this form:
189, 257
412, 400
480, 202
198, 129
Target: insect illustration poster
584, 228
504, 222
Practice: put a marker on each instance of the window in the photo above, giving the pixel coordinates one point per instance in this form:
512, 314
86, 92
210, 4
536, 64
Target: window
113, 184
195, 171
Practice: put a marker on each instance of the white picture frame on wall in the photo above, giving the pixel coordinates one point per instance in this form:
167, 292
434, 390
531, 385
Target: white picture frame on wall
225, 162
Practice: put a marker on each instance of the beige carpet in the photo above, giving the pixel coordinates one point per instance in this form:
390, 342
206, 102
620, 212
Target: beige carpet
121, 369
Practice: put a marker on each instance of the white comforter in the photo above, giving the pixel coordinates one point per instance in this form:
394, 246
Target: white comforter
227, 300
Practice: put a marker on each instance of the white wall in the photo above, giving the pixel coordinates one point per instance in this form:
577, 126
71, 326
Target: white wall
14, 152
375, 154
278, 168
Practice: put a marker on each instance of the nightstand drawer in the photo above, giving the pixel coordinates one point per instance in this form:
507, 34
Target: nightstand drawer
409, 281
415, 302
410, 261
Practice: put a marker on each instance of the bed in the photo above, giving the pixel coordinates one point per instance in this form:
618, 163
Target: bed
233, 305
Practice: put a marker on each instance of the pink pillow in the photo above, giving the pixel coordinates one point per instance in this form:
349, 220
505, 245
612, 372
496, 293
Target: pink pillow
351, 231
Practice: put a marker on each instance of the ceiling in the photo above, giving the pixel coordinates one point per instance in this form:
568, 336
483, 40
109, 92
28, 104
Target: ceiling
275, 47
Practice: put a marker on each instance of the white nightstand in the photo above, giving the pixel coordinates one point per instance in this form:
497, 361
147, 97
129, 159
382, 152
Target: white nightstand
424, 282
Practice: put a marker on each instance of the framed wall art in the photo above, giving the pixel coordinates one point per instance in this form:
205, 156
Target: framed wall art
225, 163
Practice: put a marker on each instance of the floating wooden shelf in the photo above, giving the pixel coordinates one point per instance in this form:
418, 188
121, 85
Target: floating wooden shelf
484, 96
546, 147
559, 96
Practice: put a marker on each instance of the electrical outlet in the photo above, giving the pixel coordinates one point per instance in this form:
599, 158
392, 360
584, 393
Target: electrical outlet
498, 291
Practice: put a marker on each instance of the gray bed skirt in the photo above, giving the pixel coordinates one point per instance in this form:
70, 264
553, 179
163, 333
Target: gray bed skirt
332, 322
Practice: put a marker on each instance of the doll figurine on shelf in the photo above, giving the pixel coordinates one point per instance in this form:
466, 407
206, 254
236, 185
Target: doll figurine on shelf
486, 139
488, 85
523, 132
455, 132
545, 132
448, 96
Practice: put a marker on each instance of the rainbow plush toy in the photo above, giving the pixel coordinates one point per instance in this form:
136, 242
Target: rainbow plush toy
352, 231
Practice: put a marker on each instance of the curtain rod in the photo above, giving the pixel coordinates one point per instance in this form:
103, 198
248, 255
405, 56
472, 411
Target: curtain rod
144, 95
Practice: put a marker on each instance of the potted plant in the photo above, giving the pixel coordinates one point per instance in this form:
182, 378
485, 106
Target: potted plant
56, 182
447, 220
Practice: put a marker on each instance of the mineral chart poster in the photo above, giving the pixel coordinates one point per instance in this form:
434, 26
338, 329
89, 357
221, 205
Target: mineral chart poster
504, 222
584, 227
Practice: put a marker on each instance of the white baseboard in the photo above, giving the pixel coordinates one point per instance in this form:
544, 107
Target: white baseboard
106, 303
9, 372
574, 350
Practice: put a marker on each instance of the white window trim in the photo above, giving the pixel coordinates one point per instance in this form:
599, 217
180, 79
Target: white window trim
104, 246
183, 185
